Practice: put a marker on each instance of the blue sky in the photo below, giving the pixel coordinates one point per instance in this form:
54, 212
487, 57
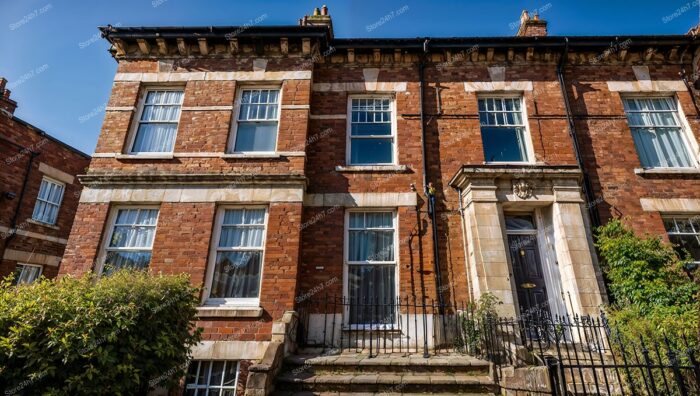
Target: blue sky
61, 73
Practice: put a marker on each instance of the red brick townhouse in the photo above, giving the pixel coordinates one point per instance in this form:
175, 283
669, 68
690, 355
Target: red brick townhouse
279, 164
39, 195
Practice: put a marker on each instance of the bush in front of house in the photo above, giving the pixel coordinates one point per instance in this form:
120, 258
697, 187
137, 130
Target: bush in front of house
651, 295
120, 334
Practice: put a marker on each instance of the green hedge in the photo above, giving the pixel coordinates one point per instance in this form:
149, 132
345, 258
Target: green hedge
651, 294
120, 334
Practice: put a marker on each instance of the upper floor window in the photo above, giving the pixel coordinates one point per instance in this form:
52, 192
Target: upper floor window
48, 202
658, 132
207, 377
158, 122
26, 273
684, 234
257, 121
130, 240
503, 130
238, 255
372, 136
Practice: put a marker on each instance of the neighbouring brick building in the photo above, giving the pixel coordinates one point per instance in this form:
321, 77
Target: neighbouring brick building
280, 164
39, 195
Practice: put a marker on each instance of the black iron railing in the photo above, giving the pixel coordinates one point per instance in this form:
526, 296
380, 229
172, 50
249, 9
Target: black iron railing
401, 325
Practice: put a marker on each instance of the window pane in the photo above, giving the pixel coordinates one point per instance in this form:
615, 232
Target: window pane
670, 225
516, 223
236, 275
371, 245
379, 220
232, 236
367, 286
371, 151
366, 129
155, 138
684, 244
230, 375
503, 144
256, 136
25, 274
217, 374
660, 147
133, 259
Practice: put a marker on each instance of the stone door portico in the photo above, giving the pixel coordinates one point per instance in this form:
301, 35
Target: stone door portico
552, 194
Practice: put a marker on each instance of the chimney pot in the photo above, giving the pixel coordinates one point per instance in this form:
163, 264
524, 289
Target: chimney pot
317, 12
531, 27
324, 10
3, 82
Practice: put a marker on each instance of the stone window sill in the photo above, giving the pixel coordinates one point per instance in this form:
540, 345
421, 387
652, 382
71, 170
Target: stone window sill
47, 225
252, 155
667, 171
144, 156
229, 312
371, 168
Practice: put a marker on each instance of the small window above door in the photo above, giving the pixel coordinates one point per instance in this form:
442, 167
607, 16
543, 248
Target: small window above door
520, 223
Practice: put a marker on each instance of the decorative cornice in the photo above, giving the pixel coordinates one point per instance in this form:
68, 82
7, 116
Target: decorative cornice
491, 172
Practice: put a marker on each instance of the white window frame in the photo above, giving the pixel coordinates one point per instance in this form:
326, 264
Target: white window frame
41, 270
231, 147
347, 263
527, 136
214, 248
205, 388
393, 136
667, 216
109, 231
60, 200
687, 136
139, 113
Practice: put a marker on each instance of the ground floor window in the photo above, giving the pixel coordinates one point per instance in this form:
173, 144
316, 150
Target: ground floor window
371, 264
238, 255
684, 234
209, 378
26, 273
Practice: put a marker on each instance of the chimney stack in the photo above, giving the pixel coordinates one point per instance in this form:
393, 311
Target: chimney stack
531, 26
7, 105
320, 17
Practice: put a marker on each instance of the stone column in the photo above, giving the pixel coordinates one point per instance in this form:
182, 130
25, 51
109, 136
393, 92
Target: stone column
574, 253
488, 256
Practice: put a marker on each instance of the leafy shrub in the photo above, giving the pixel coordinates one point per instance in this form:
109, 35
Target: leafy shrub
120, 334
651, 294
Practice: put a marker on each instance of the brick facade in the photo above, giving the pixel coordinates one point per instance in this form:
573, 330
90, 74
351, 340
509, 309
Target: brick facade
28, 155
308, 188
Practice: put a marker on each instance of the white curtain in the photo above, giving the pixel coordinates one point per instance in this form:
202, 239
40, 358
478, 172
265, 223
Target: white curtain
161, 112
657, 132
48, 202
26, 274
133, 229
237, 273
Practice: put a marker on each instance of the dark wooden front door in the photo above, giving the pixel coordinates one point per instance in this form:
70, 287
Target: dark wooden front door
529, 280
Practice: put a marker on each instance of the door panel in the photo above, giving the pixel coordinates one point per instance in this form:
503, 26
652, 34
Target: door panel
527, 271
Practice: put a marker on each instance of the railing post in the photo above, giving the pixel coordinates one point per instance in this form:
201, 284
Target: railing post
673, 359
555, 382
425, 330
648, 365
691, 355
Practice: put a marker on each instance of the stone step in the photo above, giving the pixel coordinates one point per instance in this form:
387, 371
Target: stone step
362, 363
426, 383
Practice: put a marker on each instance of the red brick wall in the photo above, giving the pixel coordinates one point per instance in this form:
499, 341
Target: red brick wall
12, 175
608, 147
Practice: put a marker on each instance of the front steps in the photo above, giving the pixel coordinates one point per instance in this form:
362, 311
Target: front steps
384, 374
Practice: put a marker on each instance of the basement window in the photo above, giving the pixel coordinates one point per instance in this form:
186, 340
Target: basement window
658, 132
257, 121
26, 273
503, 130
684, 234
212, 377
158, 121
48, 202
372, 133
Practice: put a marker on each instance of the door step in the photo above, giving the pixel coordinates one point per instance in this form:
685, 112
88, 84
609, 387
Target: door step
385, 374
